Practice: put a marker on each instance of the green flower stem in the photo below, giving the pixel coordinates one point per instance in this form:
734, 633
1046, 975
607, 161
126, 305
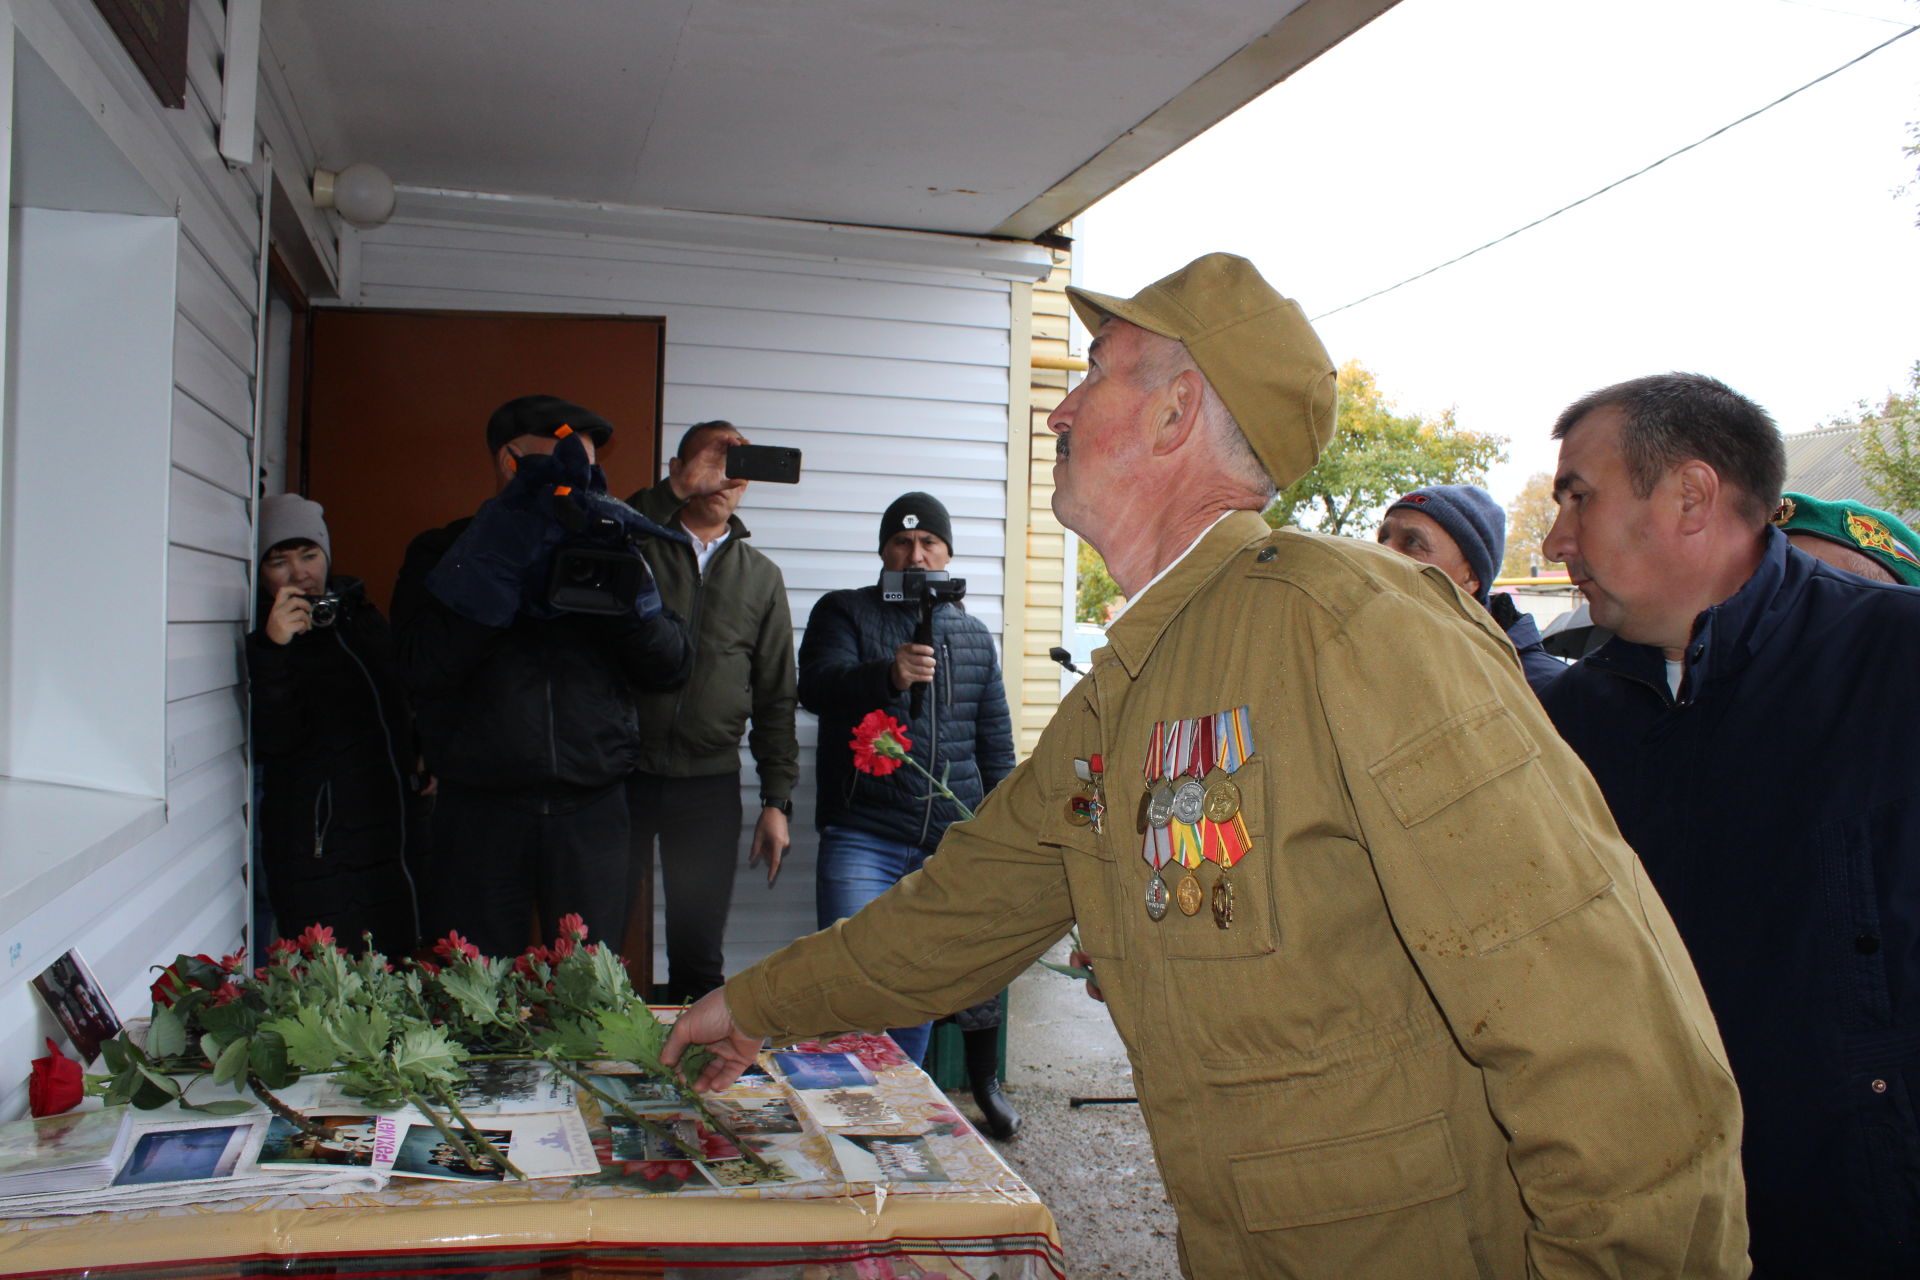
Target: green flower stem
940, 788
281, 1109
453, 1108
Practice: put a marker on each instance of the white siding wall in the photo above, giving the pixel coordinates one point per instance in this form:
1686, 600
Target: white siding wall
180, 889
889, 378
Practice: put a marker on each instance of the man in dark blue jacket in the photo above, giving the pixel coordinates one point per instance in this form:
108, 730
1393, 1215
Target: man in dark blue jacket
1747, 725
859, 655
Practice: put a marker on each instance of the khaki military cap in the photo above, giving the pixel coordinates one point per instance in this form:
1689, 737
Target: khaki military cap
1253, 345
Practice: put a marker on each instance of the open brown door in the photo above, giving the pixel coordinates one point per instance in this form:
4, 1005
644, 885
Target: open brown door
397, 406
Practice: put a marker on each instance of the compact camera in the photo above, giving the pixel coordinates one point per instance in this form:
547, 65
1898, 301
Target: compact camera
917, 586
325, 609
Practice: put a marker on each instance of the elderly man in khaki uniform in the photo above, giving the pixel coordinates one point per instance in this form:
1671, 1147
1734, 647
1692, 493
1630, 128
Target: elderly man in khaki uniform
1399, 1000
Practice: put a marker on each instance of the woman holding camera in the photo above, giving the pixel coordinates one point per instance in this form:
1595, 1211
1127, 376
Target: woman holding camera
332, 741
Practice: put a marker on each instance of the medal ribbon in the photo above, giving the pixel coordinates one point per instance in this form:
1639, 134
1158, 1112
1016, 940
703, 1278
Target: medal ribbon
1156, 846
1153, 751
1234, 842
1187, 842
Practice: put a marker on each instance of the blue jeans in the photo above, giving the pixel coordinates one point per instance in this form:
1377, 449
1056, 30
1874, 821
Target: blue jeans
855, 867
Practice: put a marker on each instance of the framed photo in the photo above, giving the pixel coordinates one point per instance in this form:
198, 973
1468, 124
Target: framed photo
78, 1004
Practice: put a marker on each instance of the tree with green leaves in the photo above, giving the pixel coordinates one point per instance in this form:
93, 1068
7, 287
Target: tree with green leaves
1098, 593
1529, 517
1889, 446
1378, 454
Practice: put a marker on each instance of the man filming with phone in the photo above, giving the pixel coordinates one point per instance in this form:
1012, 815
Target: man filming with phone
686, 790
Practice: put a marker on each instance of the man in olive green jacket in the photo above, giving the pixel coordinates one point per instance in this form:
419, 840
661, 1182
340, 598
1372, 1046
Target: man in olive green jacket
686, 790
1398, 999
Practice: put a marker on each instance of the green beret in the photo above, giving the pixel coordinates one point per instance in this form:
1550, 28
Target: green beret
1865, 529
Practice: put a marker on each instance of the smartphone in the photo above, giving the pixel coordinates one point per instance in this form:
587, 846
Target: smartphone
771, 462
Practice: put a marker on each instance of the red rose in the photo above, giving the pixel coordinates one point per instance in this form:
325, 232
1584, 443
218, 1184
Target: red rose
879, 744
56, 1084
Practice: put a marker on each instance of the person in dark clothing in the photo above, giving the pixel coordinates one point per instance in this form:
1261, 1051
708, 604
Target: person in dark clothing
526, 713
1744, 725
859, 655
687, 788
333, 741
1460, 530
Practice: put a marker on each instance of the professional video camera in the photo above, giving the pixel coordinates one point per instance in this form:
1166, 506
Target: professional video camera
927, 588
599, 569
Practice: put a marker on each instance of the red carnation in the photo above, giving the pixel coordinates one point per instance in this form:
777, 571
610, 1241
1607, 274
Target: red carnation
454, 945
56, 1084
879, 744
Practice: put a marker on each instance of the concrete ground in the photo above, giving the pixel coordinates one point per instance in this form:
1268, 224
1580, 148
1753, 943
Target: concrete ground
1092, 1165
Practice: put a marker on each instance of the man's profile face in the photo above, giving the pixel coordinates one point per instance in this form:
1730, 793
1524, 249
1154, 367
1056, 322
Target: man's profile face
1418, 536
915, 549
1100, 437
1616, 545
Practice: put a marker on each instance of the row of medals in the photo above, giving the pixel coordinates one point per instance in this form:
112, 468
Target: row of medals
1188, 800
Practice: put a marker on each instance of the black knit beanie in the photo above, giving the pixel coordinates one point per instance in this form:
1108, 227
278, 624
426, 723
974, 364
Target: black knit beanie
917, 510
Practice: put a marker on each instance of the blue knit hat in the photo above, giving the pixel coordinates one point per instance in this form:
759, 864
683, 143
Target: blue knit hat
1472, 519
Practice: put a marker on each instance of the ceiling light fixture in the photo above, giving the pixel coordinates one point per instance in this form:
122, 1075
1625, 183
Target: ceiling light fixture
362, 193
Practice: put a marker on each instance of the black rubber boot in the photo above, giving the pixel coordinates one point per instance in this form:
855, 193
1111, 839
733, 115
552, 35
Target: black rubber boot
983, 1058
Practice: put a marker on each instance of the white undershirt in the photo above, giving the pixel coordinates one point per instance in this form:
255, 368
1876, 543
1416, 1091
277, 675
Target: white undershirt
1676, 672
1134, 599
702, 550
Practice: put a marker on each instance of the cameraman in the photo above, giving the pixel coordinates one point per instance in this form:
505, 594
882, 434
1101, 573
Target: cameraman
858, 655
331, 738
527, 713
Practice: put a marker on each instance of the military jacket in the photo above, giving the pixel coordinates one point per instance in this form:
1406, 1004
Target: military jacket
1449, 1030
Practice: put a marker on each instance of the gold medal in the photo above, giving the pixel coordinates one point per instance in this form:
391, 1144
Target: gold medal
1223, 902
1222, 800
1156, 897
1140, 820
1188, 894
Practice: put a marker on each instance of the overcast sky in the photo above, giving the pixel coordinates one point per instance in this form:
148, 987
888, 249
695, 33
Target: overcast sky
1775, 257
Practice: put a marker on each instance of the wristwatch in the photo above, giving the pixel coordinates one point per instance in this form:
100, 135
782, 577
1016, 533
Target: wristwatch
784, 806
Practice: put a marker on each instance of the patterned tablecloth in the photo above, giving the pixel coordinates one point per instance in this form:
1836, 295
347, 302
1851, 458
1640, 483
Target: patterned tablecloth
634, 1218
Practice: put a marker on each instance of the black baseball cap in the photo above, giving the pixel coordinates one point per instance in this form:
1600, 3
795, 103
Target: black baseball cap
543, 416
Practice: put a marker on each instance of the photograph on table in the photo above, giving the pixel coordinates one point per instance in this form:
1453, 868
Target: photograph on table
512, 1086
189, 1152
80, 1149
348, 1140
78, 1004
822, 1070
883, 1157
849, 1108
639, 1091
753, 1115
425, 1153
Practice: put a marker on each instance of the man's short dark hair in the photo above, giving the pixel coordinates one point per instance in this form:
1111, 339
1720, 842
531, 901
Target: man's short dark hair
1672, 418
694, 433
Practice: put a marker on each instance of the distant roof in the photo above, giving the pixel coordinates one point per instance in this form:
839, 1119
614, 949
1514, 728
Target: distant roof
1821, 464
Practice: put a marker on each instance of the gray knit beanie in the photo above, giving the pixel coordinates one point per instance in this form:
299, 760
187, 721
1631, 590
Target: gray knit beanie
288, 517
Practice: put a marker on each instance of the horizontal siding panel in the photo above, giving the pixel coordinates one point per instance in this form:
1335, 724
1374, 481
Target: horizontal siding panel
871, 494
777, 534
208, 518
202, 587
204, 727
201, 657
206, 299
818, 570
847, 411
209, 375
208, 446
832, 453
387, 273
402, 236
747, 330
788, 372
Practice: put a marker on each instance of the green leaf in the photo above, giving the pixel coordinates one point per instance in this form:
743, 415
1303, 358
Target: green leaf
362, 1033
231, 1065
310, 1044
115, 1052
167, 1036
146, 1095
165, 1083
469, 986
570, 1038
635, 1035
268, 1060
210, 1046
425, 1053
222, 1106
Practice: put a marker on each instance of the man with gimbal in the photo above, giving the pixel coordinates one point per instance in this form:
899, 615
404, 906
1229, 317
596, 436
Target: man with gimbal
906, 646
525, 705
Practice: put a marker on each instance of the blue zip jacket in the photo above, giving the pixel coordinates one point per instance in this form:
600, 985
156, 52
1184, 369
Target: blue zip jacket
1777, 810
963, 728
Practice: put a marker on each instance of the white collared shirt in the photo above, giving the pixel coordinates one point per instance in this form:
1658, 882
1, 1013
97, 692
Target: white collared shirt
702, 550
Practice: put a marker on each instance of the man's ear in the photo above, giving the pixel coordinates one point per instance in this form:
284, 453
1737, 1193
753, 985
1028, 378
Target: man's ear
1179, 412
1697, 491
505, 463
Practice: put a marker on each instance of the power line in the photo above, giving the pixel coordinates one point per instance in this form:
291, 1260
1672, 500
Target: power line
1621, 181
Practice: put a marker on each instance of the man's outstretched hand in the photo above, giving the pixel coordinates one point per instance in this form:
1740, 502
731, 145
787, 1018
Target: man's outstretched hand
708, 1021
